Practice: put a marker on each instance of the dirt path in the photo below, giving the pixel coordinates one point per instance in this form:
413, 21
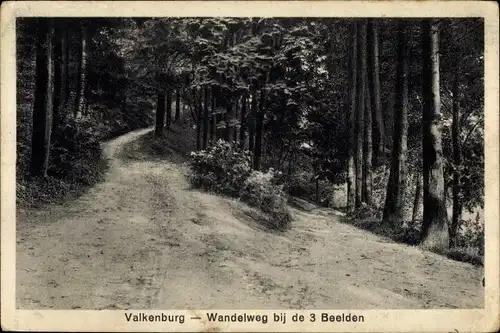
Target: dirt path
143, 239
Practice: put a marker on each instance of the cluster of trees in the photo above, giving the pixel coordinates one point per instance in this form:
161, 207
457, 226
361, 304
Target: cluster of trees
74, 90
230, 71
342, 100
294, 91
365, 105
463, 55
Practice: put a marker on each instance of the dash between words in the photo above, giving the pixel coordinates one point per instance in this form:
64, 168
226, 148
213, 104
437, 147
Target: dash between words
244, 317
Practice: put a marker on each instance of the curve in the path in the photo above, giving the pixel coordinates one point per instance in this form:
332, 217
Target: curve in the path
144, 239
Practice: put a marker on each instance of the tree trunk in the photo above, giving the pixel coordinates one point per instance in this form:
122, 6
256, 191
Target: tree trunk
455, 137
367, 147
228, 134
197, 98
82, 73
374, 83
86, 97
360, 109
417, 199
435, 221
160, 115
205, 119
58, 74
235, 119
66, 91
396, 187
169, 108
43, 106
317, 191
177, 104
351, 169
251, 121
213, 129
243, 121
258, 132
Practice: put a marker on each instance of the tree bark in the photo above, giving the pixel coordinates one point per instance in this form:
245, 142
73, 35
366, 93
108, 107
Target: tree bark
205, 119
66, 90
455, 137
374, 82
228, 133
417, 199
251, 121
258, 132
396, 187
86, 96
177, 104
160, 115
82, 73
197, 98
235, 119
360, 109
169, 108
243, 124
213, 129
351, 111
43, 106
58, 74
435, 220
367, 147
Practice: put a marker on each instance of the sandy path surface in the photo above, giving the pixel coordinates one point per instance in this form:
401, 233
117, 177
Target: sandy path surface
143, 240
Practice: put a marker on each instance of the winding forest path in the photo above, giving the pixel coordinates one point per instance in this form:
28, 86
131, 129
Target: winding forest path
143, 239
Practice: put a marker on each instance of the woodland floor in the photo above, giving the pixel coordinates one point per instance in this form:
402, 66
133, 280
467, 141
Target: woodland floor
142, 239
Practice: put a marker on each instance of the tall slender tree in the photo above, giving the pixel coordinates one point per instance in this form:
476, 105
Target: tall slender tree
435, 220
235, 119
243, 125
251, 119
257, 153
59, 67
455, 138
198, 105
178, 102
394, 199
374, 82
65, 68
418, 197
169, 107
228, 133
360, 109
205, 118
213, 128
43, 106
367, 145
351, 126
82, 71
160, 114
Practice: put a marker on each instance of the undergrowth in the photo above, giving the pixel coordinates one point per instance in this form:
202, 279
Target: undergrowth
225, 169
37, 192
75, 164
469, 244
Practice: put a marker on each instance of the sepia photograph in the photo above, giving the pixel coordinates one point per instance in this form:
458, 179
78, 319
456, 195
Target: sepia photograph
249, 163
